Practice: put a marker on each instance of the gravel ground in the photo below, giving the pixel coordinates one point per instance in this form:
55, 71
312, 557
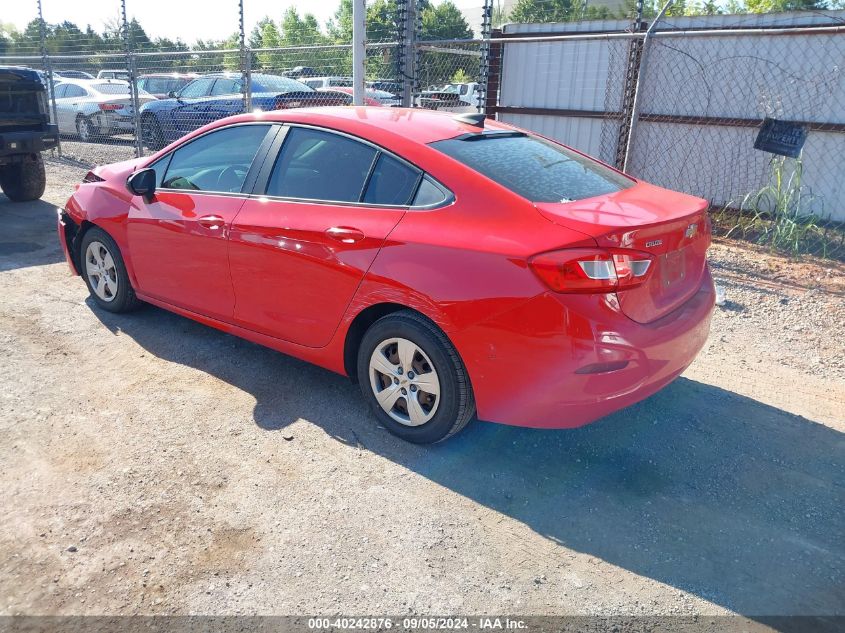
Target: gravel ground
153, 465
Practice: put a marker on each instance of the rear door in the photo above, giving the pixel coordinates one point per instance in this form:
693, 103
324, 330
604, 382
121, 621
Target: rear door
178, 240
298, 253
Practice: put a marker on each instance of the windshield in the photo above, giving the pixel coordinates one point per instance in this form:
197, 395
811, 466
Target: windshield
534, 168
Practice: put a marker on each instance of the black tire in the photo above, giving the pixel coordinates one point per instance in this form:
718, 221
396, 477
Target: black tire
456, 404
123, 299
151, 133
85, 130
25, 180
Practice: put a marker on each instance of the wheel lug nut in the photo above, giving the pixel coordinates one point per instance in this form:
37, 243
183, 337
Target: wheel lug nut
399, 371
395, 381
410, 374
413, 387
404, 391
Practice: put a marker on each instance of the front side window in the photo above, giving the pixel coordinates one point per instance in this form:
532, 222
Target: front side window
218, 161
198, 88
317, 165
534, 168
225, 87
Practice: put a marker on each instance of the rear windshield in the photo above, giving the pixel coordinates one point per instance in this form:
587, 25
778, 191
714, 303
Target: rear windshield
272, 83
112, 89
534, 168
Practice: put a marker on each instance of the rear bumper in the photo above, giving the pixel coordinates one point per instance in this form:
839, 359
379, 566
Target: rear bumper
529, 369
28, 142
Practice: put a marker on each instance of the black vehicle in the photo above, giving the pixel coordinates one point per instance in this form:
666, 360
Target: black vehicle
25, 131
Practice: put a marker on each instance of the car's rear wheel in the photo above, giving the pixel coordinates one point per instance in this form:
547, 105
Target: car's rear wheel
105, 273
85, 130
414, 379
151, 133
24, 180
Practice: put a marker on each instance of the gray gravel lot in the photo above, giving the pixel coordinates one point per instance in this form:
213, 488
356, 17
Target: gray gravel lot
153, 465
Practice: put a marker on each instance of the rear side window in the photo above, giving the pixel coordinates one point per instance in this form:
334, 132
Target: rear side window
317, 165
534, 168
217, 161
392, 182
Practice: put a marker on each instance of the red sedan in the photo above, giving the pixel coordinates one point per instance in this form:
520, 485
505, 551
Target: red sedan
454, 267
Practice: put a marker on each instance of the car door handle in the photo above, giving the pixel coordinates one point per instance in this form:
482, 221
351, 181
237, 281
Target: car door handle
212, 222
345, 234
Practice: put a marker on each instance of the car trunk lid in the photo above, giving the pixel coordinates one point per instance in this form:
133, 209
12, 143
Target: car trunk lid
672, 227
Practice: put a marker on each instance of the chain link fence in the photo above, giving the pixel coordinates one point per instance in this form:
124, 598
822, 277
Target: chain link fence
683, 109
117, 94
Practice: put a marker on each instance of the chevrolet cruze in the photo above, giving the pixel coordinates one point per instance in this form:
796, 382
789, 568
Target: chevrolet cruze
454, 267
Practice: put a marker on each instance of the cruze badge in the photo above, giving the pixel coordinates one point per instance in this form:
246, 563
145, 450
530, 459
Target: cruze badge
653, 243
692, 229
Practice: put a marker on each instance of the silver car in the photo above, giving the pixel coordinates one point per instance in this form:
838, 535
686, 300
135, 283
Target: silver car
95, 108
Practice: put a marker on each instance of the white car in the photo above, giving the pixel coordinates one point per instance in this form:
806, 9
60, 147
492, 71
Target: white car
92, 108
327, 82
113, 74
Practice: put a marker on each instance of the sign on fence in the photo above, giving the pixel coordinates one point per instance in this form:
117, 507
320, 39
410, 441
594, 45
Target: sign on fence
781, 137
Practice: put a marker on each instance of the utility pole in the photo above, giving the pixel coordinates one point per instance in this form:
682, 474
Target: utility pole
359, 50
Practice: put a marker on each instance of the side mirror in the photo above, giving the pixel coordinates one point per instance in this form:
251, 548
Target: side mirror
142, 183
171, 94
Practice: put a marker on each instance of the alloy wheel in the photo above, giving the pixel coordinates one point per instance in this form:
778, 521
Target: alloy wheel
101, 271
404, 381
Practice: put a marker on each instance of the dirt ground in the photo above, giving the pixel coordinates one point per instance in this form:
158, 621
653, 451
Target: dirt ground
153, 465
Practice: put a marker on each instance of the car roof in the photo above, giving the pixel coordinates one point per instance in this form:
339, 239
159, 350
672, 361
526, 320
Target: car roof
92, 83
417, 124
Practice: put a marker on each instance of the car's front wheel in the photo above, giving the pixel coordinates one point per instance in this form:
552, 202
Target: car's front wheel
105, 273
414, 379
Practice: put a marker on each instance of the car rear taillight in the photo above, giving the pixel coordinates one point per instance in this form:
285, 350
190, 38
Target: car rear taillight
592, 270
92, 177
111, 106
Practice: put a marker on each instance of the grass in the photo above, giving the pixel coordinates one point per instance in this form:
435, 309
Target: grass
780, 216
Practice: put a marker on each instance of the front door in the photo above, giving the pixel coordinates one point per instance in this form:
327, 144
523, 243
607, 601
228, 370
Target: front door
178, 240
298, 254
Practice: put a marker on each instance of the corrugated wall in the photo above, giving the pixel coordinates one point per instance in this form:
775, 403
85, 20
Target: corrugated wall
740, 78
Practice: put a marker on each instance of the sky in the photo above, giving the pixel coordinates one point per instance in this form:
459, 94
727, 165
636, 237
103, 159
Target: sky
186, 19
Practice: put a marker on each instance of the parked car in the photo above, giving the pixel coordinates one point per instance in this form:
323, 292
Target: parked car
469, 92
448, 264
393, 87
71, 74
96, 108
25, 131
327, 82
215, 96
123, 75
371, 97
297, 72
164, 85
439, 98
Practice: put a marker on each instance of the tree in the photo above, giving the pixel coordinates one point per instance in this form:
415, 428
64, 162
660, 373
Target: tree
556, 11
444, 22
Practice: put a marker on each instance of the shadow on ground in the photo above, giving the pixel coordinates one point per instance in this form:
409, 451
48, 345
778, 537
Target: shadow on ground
714, 493
28, 237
